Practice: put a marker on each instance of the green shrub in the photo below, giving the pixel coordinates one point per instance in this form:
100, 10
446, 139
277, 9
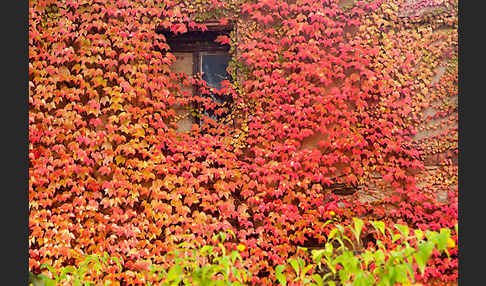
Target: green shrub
77, 276
207, 265
343, 260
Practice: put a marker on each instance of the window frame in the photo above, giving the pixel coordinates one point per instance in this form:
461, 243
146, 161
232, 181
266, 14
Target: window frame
198, 43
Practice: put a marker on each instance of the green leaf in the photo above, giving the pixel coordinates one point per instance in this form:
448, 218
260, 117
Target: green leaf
367, 257
175, 273
49, 267
234, 256
50, 282
361, 279
358, 227
246, 275
404, 230
223, 249
223, 236
206, 249
441, 239
307, 268
317, 255
340, 227
295, 265
379, 258
236, 273
379, 226
66, 270
279, 275
42, 280
118, 262
318, 279
401, 271
325, 276
331, 264
231, 232
384, 281
348, 240
329, 248
332, 233
419, 234
395, 237
47, 281
423, 254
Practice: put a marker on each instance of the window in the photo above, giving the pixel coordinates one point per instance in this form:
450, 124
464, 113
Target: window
197, 53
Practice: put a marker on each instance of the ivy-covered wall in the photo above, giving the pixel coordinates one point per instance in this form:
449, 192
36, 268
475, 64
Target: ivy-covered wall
340, 109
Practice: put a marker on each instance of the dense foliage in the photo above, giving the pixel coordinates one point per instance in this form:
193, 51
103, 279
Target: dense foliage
342, 260
328, 93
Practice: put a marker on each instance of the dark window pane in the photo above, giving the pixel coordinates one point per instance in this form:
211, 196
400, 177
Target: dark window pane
214, 69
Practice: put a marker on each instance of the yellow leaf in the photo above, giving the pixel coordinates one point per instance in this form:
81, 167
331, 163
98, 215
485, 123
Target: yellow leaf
120, 159
451, 243
140, 132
